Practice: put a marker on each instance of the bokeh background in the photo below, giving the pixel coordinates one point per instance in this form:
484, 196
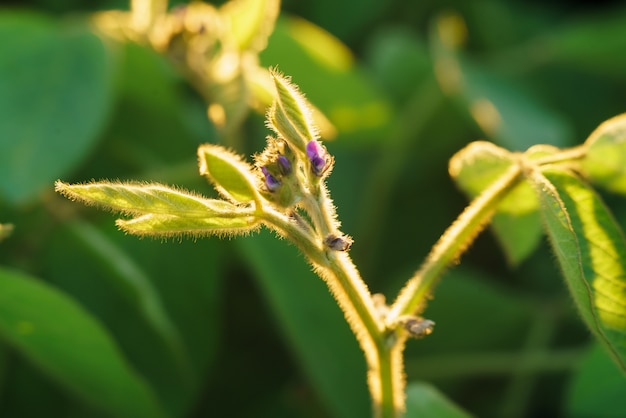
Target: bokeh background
258, 333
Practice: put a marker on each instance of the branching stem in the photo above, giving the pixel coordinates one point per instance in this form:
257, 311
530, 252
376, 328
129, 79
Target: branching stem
452, 243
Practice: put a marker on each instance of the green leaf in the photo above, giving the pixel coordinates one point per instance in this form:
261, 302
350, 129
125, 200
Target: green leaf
424, 400
290, 116
313, 324
133, 284
55, 94
605, 160
251, 22
138, 199
67, 344
516, 224
233, 178
597, 388
327, 72
591, 251
170, 225
189, 292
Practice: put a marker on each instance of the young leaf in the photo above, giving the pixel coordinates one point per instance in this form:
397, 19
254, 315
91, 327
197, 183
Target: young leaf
169, 225
326, 70
139, 199
70, 346
251, 22
591, 251
232, 177
290, 116
605, 159
424, 400
516, 224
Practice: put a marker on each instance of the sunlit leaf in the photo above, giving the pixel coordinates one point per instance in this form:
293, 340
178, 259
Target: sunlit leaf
517, 224
55, 85
232, 177
424, 400
251, 21
169, 225
605, 159
137, 198
591, 251
290, 116
66, 343
327, 72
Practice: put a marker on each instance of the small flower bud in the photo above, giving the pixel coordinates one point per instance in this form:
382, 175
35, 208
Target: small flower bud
271, 182
284, 165
336, 243
317, 156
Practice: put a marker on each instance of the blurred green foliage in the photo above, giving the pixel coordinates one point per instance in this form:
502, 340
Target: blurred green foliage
241, 327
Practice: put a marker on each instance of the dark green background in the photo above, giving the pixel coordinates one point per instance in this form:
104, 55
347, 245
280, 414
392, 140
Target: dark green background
263, 337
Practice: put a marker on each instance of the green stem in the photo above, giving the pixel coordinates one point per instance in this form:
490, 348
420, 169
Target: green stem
451, 245
383, 355
571, 154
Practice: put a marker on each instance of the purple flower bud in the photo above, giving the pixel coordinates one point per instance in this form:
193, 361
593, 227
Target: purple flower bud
284, 165
317, 157
271, 182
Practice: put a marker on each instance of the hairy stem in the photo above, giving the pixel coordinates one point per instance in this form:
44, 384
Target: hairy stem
451, 245
383, 352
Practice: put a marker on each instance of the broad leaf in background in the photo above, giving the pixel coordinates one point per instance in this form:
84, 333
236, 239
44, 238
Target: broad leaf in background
399, 60
186, 277
55, 84
605, 157
598, 387
517, 224
424, 400
326, 71
591, 251
66, 343
314, 325
591, 42
501, 107
134, 284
